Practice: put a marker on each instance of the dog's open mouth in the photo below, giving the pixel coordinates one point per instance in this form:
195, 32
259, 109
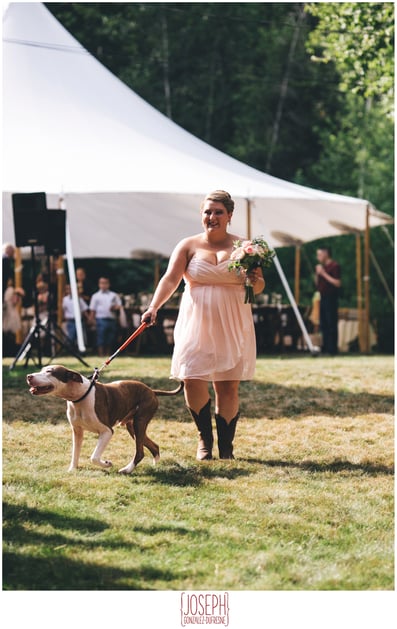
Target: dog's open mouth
41, 390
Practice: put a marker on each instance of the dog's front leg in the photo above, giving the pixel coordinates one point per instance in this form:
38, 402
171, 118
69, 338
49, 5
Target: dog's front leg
77, 440
103, 440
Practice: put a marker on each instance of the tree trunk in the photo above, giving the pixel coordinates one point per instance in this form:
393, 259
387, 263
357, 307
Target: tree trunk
165, 58
284, 88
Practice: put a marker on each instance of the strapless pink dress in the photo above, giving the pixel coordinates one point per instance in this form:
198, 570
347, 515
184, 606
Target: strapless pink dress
214, 334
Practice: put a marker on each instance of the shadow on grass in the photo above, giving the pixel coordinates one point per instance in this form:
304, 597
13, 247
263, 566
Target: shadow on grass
13, 515
336, 466
47, 568
29, 572
193, 476
274, 401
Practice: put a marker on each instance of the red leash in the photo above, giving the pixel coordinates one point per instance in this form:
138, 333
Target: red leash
133, 336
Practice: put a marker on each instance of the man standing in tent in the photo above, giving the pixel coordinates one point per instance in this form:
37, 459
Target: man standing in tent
328, 282
104, 305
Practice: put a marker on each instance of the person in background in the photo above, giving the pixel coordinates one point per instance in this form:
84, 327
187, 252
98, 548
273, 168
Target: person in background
104, 306
84, 287
12, 322
68, 313
43, 296
8, 259
328, 283
214, 333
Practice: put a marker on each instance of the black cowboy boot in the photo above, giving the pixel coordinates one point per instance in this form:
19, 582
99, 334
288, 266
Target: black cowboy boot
226, 432
204, 425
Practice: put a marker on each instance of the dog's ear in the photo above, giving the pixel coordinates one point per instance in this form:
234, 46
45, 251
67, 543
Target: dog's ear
66, 375
75, 377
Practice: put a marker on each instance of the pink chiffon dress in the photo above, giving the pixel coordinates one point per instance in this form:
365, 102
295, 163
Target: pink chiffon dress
214, 334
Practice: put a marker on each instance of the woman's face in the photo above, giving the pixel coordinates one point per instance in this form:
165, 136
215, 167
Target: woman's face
214, 216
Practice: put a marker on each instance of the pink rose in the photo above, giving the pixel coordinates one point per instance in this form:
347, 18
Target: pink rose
249, 249
237, 254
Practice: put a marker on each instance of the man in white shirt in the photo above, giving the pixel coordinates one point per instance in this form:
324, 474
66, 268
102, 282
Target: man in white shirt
68, 313
104, 305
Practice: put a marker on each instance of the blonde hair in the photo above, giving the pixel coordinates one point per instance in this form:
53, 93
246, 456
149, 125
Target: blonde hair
221, 196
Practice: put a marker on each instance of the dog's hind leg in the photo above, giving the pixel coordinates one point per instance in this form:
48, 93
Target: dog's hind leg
77, 440
148, 443
153, 448
104, 437
137, 430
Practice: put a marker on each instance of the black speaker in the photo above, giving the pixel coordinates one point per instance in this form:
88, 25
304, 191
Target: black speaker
30, 228
29, 201
35, 226
29, 218
55, 236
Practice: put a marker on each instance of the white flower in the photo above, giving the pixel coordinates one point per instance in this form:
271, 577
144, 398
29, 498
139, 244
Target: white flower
238, 254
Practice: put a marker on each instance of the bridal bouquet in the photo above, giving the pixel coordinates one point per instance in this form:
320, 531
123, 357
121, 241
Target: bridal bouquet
248, 255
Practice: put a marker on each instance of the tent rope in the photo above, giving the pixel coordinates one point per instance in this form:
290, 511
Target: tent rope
381, 277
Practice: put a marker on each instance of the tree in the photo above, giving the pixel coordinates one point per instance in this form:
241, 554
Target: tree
358, 37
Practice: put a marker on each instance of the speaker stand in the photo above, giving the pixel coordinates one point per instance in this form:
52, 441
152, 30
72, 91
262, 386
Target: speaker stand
48, 331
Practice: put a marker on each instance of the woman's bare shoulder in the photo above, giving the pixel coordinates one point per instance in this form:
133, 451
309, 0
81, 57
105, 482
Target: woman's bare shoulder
189, 244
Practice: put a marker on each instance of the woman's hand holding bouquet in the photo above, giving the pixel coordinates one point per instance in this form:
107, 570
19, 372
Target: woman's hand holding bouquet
247, 256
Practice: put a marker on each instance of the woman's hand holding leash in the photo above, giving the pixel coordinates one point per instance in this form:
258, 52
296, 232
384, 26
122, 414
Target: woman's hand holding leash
149, 316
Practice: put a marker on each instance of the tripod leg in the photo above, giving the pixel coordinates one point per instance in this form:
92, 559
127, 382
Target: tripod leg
64, 343
33, 338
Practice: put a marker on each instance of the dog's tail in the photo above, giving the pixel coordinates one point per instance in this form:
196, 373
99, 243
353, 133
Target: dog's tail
174, 392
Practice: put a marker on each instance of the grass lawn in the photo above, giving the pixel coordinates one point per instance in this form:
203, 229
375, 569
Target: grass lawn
308, 503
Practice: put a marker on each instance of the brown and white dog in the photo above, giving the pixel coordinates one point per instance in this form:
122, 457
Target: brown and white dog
98, 407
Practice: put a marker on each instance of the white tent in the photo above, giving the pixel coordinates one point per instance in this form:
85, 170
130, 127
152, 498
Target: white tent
131, 178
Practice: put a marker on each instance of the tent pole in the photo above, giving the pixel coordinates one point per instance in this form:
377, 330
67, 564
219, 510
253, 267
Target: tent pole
366, 283
74, 291
156, 272
294, 306
73, 284
248, 219
18, 284
60, 288
359, 293
297, 273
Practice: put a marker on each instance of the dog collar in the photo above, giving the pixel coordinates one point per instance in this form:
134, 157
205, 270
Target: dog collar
94, 377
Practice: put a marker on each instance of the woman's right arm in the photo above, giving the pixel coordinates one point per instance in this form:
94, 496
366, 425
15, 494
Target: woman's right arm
169, 282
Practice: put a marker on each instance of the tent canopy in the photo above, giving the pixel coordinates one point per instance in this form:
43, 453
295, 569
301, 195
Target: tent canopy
130, 177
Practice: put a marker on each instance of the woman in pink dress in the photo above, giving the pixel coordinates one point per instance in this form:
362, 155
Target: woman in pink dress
214, 333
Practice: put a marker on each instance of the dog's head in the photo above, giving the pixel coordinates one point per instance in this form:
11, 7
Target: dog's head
56, 380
